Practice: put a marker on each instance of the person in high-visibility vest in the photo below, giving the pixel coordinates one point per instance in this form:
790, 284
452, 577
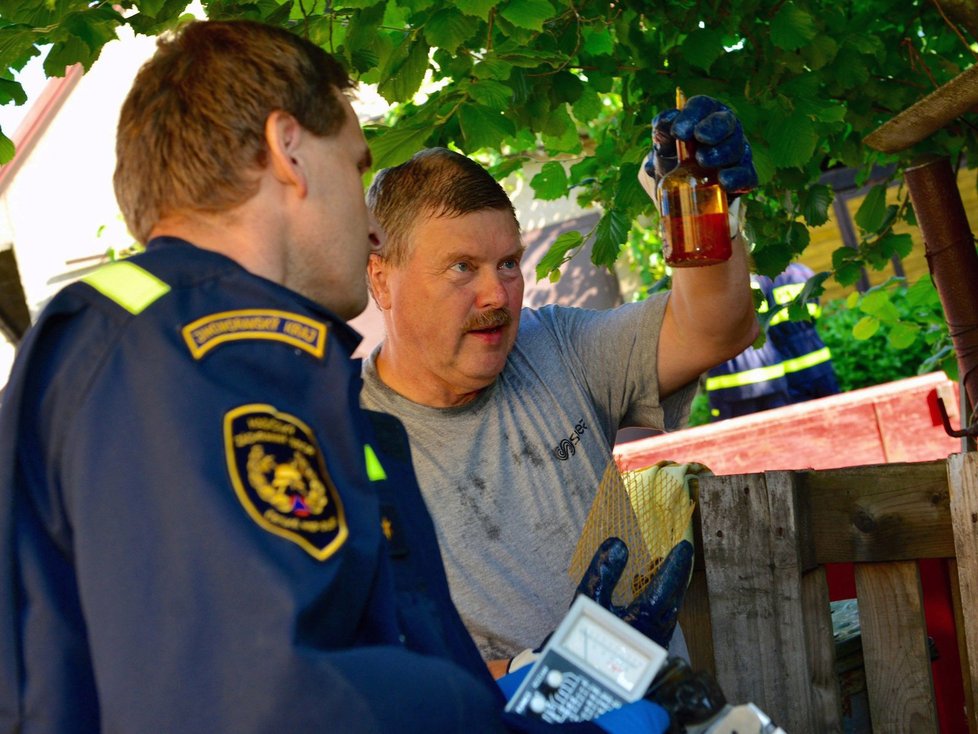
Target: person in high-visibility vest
755, 379
808, 361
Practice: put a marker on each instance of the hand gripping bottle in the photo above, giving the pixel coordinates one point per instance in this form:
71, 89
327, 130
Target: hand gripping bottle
693, 207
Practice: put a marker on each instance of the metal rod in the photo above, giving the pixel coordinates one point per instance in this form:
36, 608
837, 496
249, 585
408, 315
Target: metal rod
951, 257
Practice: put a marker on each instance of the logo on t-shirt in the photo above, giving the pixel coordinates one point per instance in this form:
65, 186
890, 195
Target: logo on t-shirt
568, 446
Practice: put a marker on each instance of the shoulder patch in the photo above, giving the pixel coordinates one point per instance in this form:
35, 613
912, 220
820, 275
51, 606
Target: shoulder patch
129, 285
279, 476
299, 331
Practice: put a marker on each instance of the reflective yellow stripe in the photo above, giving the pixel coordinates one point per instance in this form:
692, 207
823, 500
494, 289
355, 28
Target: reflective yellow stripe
128, 285
814, 310
805, 361
785, 293
747, 377
375, 472
780, 317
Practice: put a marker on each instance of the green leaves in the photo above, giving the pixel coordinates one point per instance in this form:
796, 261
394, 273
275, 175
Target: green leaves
478, 8
449, 28
871, 212
814, 204
11, 91
791, 140
610, 235
792, 28
559, 253
80, 38
551, 182
529, 14
491, 93
577, 85
891, 308
6, 149
483, 127
598, 41
847, 265
393, 146
865, 327
702, 47
404, 71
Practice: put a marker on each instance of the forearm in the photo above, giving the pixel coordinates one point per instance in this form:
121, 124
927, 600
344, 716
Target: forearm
709, 319
713, 304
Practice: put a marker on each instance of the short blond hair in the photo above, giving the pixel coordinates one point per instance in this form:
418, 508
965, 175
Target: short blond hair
191, 133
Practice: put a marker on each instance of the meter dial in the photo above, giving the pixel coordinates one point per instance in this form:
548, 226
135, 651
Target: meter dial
606, 652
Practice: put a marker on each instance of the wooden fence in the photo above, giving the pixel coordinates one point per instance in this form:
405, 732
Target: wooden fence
758, 615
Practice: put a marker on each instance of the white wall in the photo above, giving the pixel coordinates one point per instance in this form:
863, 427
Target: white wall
62, 195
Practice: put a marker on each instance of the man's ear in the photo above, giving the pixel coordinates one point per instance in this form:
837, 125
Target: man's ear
378, 270
284, 136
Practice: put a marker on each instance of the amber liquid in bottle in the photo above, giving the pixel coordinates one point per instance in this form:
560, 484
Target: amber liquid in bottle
693, 206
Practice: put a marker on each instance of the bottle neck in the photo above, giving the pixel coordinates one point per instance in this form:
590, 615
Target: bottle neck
685, 150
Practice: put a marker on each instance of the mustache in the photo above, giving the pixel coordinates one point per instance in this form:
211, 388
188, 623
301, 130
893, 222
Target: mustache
488, 320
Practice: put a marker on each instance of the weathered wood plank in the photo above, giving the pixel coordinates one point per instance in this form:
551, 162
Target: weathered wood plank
753, 564
962, 472
694, 620
969, 702
821, 651
895, 655
879, 513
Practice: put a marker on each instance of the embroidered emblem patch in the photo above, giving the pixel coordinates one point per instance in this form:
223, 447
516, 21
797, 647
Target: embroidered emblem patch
299, 331
279, 475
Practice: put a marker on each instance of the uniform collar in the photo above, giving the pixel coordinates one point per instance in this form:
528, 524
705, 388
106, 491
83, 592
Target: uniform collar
206, 262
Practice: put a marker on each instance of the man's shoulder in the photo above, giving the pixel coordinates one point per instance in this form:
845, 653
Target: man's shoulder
563, 322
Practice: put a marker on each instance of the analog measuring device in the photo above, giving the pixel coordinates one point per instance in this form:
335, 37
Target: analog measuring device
593, 662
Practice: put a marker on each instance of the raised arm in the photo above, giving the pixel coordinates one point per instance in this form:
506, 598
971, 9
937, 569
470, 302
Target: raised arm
709, 319
710, 315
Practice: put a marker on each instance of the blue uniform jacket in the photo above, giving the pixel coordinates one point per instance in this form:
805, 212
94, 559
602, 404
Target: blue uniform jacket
808, 361
754, 373
201, 532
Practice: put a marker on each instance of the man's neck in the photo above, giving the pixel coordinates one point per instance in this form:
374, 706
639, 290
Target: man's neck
432, 393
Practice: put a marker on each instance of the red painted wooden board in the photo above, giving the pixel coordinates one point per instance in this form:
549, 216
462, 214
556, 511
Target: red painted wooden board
887, 423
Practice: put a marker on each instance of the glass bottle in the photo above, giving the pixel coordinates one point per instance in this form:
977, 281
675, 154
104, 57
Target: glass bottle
693, 208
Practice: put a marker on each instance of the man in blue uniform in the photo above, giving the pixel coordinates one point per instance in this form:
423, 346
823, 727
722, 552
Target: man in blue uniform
754, 380
807, 361
199, 528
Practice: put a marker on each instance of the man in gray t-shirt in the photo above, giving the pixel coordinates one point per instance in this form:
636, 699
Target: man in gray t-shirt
511, 412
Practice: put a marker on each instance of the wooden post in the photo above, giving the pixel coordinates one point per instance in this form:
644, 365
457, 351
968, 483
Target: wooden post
753, 531
894, 638
962, 477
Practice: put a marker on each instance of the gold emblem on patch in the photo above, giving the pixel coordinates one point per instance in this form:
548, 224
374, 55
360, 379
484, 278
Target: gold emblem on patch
280, 478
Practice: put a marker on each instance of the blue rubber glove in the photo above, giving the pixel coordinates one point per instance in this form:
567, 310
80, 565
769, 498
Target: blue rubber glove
642, 717
720, 143
655, 611
511, 681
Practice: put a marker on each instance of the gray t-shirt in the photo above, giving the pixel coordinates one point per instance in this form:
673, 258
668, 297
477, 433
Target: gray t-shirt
509, 477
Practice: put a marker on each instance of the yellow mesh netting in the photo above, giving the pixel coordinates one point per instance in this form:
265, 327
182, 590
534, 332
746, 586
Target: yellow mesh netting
650, 509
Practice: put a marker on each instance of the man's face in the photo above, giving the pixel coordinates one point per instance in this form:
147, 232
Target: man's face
452, 309
336, 232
